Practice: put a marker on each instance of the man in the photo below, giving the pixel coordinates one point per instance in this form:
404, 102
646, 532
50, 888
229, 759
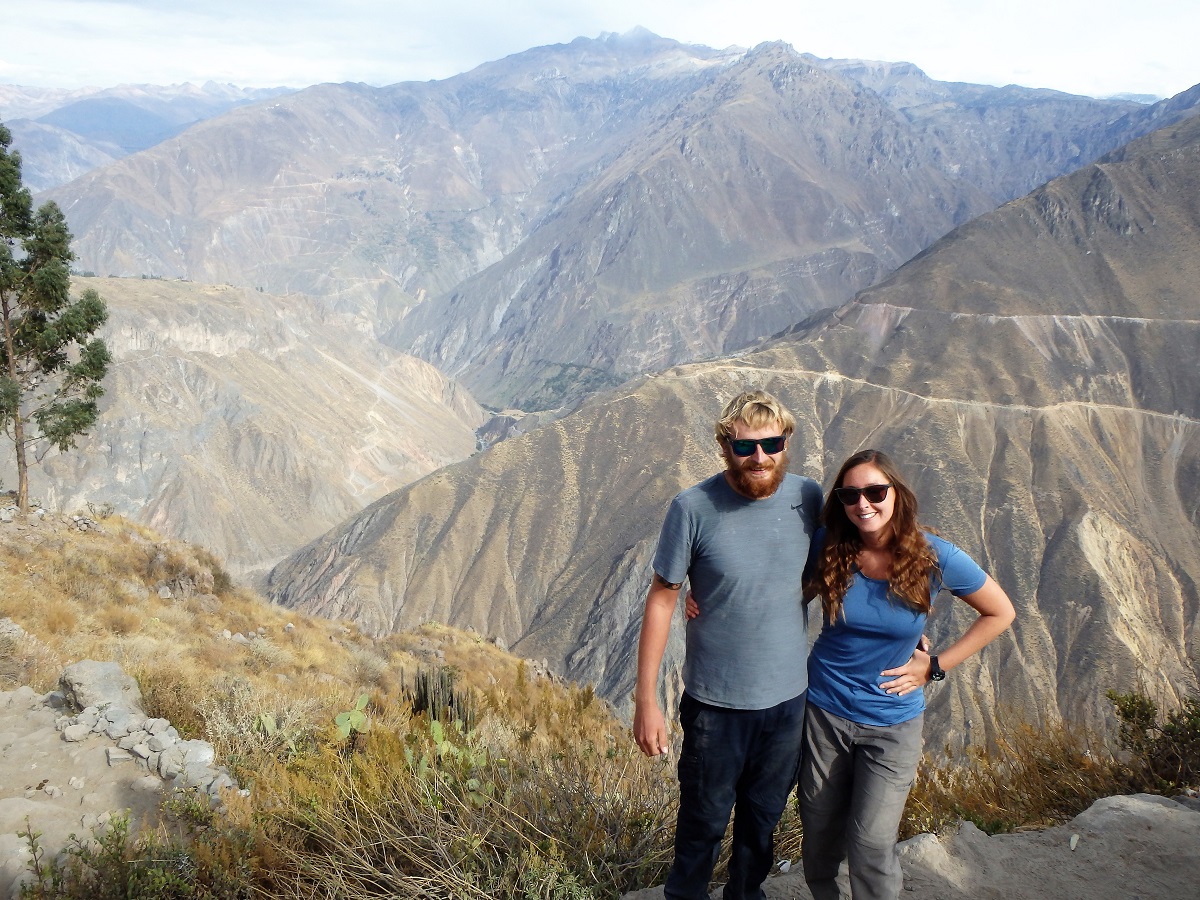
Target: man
741, 537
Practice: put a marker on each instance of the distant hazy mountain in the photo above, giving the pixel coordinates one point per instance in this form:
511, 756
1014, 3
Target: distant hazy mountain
51, 156
63, 134
1034, 372
249, 423
562, 219
1008, 140
770, 191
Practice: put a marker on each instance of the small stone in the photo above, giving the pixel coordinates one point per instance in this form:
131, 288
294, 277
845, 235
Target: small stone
148, 784
76, 732
117, 755
76, 782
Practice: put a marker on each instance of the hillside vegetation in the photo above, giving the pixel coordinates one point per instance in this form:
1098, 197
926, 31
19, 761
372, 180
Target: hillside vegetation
459, 770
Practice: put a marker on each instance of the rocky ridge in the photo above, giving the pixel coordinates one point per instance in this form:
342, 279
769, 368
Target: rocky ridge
63, 134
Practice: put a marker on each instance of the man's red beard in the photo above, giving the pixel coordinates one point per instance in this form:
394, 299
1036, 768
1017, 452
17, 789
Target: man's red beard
756, 489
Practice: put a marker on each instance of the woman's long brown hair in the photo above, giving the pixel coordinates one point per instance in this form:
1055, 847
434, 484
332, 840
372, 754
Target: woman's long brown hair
913, 560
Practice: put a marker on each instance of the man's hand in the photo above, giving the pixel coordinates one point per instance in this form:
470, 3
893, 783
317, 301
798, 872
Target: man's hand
649, 726
650, 729
691, 608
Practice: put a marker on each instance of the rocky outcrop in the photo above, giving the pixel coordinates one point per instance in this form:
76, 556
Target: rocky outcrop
100, 684
66, 770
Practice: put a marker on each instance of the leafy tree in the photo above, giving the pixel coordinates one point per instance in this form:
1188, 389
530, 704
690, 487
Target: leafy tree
50, 366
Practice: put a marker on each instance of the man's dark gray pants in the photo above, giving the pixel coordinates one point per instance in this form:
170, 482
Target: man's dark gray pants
743, 760
854, 781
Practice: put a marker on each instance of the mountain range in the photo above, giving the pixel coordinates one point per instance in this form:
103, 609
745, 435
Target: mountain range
63, 134
566, 218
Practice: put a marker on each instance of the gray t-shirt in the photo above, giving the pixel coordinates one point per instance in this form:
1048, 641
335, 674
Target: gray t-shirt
748, 648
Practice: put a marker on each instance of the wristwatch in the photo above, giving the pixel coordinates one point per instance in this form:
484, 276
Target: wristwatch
935, 671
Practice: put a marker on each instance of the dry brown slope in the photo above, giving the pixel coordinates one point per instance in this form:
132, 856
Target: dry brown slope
250, 423
1059, 446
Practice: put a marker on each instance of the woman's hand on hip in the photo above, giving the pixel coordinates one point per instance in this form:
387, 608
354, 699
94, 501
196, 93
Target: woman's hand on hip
912, 676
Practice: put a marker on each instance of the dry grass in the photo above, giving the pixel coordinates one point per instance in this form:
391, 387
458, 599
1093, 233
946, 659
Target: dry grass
1033, 778
97, 594
422, 809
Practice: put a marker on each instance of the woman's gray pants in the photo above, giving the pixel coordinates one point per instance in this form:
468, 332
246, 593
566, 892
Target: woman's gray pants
854, 781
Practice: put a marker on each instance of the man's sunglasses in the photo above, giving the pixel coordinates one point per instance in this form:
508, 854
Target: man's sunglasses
873, 492
745, 446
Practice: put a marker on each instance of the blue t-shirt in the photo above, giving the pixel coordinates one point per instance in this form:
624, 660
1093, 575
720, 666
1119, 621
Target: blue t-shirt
744, 559
879, 632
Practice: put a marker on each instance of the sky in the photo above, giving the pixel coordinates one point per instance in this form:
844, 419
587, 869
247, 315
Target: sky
1097, 48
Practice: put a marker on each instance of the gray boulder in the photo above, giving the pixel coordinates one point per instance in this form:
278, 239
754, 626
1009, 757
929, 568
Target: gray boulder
100, 684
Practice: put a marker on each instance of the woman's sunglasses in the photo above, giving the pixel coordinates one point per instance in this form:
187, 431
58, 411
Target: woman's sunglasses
873, 492
745, 446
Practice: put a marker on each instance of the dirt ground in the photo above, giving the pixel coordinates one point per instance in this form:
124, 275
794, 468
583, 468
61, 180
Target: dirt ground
57, 788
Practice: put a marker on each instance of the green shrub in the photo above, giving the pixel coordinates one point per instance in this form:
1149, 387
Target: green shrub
1165, 753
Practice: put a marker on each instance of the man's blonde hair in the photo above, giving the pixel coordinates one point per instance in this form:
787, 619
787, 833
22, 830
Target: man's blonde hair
754, 409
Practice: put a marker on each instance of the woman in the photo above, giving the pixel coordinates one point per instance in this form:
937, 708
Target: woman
877, 573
